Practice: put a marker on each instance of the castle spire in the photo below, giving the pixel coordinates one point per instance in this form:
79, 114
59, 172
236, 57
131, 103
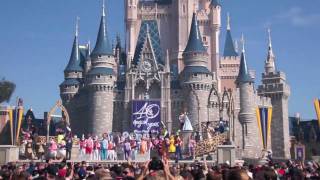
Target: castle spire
195, 39
243, 76
102, 46
215, 3
229, 49
270, 61
74, 61
228, 21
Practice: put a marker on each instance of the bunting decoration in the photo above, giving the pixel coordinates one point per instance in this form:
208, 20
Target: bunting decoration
317, 107
264, 117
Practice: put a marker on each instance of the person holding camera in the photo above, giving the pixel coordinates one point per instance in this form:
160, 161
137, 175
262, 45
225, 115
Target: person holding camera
156, 169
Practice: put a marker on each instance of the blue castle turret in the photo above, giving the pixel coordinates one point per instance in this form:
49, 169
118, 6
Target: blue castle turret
196, 79
73, 72
100, 82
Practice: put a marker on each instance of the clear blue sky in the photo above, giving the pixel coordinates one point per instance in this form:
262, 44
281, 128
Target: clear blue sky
36, 38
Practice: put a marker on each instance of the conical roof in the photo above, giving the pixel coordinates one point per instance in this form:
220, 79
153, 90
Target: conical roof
195, 39
244, 75
74, 61
103, 46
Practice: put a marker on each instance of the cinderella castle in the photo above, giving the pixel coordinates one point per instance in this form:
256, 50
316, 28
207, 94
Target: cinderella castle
172, 55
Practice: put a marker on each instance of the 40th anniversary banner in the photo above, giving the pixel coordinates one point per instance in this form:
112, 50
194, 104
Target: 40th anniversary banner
146, 116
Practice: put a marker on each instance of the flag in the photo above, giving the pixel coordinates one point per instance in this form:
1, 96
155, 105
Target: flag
317, 107
11, 124
264, 117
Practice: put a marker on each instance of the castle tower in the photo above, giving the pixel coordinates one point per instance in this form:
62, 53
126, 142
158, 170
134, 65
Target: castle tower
215, 23
274, 85
251, 143
229, 62
72, 73
196, 80
100, 82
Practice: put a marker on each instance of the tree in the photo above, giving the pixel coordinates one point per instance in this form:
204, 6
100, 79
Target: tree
6, 90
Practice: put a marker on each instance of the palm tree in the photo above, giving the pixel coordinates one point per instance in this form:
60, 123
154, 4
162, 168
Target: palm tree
6, 90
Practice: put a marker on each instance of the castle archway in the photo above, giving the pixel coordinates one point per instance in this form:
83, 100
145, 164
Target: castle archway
65, 116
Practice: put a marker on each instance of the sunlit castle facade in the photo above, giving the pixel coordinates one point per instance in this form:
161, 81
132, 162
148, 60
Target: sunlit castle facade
172, 55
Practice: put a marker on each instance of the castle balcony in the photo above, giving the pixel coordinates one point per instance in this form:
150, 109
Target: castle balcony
273, 89
271, 75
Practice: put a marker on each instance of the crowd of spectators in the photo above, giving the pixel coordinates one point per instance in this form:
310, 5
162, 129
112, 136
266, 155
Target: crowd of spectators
157, 169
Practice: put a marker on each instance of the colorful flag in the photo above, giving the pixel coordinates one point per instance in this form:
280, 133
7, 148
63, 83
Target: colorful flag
317, 107
264, 117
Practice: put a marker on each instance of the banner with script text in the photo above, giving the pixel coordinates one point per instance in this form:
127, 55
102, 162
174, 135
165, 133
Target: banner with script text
317, 107
146, 116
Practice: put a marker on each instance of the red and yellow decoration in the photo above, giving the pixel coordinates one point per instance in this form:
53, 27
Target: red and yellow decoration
264, 117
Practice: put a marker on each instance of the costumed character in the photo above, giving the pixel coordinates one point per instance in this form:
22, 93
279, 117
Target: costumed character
172, 147
96, 149
39, 148
82, 146
53, 148
29, 152
61, 153
187, 126
89, 148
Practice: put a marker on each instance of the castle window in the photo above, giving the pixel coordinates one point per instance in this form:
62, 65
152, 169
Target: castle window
110, 77
204, 39
98, 76
195, 74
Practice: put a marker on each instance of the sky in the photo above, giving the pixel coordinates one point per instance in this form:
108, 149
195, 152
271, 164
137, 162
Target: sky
36, 40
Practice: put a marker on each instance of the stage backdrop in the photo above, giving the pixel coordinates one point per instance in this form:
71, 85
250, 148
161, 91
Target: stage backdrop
146, 116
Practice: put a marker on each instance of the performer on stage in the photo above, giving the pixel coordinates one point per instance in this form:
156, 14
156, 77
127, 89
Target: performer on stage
181, 119
104, 146
89, 148
187, 124
69, 144
192, 146
172, 147
82, 149
178, 144
96, 149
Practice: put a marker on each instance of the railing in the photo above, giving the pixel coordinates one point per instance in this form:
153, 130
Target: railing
210, 145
